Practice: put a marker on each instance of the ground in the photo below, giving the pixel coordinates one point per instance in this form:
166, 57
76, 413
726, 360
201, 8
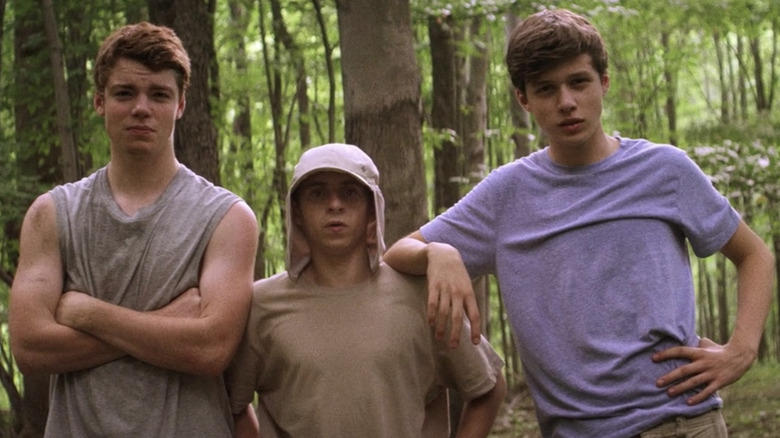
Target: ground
752, 408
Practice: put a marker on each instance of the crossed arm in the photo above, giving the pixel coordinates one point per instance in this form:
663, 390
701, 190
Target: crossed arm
196, 333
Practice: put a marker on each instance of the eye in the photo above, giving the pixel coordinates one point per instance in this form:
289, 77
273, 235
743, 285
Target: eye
161, 96
122, 94
315, 193
351, 193
354, 193
580, 82
544, 89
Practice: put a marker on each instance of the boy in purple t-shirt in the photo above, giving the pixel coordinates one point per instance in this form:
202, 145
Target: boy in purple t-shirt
588, 240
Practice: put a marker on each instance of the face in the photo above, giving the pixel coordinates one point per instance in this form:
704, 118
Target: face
566, 102
140, 108
333, 211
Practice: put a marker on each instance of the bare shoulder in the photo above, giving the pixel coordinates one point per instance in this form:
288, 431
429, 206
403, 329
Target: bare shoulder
237, 231
39, 271
42, 211
39, 228
240, 218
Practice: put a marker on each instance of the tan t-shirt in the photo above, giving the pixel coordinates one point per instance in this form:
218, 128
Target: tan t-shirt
350, 362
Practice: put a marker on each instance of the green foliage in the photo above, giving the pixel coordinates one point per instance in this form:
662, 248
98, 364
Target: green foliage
658, 51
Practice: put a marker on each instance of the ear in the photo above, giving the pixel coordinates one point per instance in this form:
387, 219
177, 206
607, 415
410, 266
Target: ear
371, 232
99, 102
182, 105
521, 99
297, 216
604, 84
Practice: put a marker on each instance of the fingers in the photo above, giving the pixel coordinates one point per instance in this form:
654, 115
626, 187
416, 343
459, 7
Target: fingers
450, 307
701, 383
472, 312
433, 310
457, 322
443, 311
711, 367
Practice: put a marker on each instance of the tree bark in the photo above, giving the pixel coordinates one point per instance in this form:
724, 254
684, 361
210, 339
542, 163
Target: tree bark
475, 116
69, 155
381, 85
521, 136
444, 110
195, 140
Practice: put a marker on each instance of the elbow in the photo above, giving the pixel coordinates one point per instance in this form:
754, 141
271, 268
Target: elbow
26, 361
211, 361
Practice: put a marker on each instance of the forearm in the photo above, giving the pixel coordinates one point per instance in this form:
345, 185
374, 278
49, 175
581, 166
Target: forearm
754, 298
408, 255
51, 348
186, 344
479, 414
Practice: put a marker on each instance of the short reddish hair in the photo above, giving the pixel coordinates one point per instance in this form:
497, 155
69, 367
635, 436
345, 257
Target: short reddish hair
156, 47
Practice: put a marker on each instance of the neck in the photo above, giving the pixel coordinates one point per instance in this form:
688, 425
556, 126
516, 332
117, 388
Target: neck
330, 271
136, 183
591, 151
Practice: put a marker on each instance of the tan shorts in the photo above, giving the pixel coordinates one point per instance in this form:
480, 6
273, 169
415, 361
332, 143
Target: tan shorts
709, 425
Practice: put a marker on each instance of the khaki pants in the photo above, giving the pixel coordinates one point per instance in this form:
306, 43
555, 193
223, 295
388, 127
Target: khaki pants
709, 425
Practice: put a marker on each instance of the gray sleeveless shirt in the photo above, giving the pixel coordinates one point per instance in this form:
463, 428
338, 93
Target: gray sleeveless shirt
140, 262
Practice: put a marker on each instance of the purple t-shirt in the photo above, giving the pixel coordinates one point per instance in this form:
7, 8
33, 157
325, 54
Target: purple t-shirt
593, 266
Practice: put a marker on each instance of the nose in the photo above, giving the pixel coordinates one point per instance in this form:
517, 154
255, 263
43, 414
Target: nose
141, 105
566, 100
335, 203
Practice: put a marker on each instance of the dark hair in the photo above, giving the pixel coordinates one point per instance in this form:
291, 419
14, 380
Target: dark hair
548, 39
156, 47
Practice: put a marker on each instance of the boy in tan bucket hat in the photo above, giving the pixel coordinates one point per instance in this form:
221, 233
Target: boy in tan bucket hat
338, 345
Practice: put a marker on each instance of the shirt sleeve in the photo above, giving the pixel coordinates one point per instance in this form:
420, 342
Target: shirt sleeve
706, 216
470, 369
469, 225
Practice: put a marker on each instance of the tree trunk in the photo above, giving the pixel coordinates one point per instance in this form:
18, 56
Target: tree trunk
475, 115
447, 174
758, 76
2, 33
274, 78
195, 140
722, 79
70, 170
381, 85
776, 248
671, 91
521, 136
328, 52
723, 303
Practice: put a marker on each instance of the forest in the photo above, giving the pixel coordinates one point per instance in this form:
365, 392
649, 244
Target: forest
420, 85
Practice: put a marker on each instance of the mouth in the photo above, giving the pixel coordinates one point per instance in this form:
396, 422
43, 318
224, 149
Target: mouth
140, 130
335, 225
571, 126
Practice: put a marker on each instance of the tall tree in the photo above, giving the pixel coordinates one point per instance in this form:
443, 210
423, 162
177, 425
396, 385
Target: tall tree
521, 123
382, 103
195, 140
444, 111
67, 138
